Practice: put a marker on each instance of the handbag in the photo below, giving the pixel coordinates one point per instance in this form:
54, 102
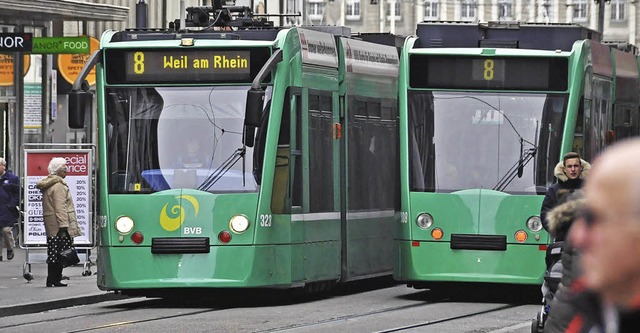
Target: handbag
69, 257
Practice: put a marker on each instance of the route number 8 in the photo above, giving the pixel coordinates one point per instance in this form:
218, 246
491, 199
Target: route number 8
488, 69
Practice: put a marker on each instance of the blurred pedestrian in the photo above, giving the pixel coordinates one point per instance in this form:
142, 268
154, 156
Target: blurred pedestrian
608, 237
570, 173
60, 219
9, 201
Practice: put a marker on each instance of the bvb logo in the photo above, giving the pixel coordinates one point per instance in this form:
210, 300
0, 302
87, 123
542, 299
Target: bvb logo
173, 222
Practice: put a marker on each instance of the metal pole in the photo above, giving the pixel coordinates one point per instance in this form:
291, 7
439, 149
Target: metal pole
183, 15
382, 15
141, 14
601, 17
392, 23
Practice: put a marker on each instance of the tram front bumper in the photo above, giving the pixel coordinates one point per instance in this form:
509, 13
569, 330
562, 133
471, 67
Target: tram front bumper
436, 261
122, 268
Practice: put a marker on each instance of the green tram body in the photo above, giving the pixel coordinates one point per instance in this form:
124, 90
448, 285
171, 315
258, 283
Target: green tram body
460, 156
323, 207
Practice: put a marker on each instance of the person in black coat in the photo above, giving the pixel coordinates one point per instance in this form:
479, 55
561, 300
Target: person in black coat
560, 220
570, 172
9, 201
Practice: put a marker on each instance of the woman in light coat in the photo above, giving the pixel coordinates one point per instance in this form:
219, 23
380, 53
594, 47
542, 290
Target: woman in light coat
60, 219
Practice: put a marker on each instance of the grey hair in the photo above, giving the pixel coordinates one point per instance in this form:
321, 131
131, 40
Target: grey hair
3, 161
56, 164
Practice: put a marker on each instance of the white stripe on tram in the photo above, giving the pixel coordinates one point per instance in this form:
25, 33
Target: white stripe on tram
336, 215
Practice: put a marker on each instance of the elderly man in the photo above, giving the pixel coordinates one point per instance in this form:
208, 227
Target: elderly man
608, 236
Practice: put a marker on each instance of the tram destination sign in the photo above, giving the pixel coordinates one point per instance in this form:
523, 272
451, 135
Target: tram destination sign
492, 73
16, 42
184, 65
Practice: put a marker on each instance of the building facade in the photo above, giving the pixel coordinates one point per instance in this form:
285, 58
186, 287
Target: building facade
620, 18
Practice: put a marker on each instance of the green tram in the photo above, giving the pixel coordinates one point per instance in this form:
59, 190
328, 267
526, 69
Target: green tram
244, 157
486, 112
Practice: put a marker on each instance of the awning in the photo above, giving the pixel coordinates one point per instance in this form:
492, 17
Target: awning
60, 10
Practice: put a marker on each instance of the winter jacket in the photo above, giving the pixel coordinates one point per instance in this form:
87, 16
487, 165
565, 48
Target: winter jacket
560, 220
57, 206
558, 192
590, 317
9, 199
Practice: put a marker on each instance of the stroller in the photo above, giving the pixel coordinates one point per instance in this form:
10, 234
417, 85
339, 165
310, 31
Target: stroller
552, 278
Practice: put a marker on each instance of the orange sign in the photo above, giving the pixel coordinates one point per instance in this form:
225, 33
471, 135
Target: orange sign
6, 68
70, 65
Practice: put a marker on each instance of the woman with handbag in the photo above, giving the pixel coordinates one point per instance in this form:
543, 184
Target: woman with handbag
60, 220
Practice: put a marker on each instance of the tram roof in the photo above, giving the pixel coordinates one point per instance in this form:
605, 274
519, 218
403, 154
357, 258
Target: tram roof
240, 34
557, 36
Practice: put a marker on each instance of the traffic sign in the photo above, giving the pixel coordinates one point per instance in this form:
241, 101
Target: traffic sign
59, 45
16, 42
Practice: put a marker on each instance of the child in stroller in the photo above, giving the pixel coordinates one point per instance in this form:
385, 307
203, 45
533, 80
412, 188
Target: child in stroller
561, 264
552, 278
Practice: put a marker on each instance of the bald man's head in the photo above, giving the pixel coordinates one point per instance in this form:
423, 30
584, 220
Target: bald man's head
609, 236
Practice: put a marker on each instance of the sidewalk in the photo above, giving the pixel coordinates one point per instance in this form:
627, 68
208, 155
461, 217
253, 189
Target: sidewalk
18, 296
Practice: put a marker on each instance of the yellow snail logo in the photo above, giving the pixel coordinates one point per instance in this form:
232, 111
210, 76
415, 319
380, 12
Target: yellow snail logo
173, 222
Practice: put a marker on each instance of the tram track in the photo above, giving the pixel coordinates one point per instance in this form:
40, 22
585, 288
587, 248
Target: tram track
126, 308
134, 315
389, 310
447, 319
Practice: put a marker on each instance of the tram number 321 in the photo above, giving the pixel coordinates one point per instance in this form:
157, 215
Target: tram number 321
265, 220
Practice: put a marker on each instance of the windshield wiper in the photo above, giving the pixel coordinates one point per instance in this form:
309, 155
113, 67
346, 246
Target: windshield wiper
517, 168
226, 166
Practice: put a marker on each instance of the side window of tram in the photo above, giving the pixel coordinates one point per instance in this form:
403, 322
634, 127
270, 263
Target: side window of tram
625, 123
280, 203
578, 135
321, 152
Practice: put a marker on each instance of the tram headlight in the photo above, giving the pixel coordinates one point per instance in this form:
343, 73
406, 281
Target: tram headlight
534, 223
239, 223
424, 220
124, 225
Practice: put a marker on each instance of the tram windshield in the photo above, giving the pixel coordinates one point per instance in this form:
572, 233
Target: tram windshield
177, 137
484, 140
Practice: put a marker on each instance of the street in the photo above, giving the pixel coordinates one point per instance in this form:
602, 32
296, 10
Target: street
357, 307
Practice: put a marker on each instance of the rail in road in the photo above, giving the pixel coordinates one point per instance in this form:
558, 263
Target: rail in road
389, 309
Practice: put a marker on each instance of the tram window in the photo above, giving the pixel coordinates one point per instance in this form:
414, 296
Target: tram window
371, 143
296, 155
279, 195
578, 136
260, 144
623, 124
320, 152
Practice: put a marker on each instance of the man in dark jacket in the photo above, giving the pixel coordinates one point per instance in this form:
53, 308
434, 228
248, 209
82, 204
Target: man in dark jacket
570, 173
608, 238
9, 201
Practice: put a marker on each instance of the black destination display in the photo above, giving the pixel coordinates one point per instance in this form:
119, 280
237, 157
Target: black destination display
185, 65
494, 73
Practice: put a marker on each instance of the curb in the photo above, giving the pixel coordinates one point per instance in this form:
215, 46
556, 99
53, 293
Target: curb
57, 304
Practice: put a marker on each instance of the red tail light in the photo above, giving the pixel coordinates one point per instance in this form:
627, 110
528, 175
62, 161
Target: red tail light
224, 237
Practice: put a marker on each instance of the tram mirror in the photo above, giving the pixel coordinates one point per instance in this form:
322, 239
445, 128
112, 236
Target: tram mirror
253, 111
80, 103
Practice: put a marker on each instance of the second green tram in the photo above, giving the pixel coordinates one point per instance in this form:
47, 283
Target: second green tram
486, 112
243, 158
